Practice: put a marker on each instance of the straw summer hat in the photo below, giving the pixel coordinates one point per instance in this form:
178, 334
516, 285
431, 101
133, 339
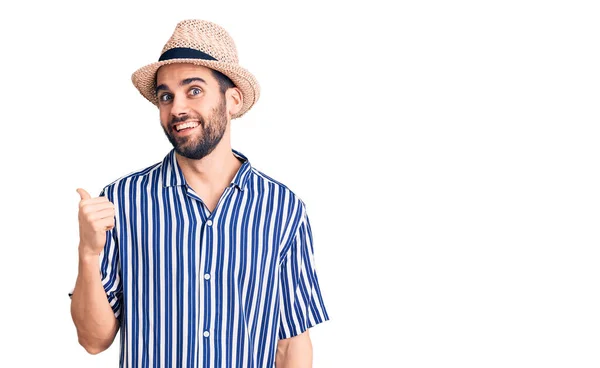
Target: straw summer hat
203, 43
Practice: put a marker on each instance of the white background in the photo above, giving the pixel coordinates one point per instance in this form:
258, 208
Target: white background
448, 154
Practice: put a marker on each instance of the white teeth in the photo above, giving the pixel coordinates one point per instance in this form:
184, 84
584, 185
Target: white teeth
191, 124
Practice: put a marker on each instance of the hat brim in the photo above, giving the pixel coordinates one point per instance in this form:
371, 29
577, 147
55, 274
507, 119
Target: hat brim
143, 80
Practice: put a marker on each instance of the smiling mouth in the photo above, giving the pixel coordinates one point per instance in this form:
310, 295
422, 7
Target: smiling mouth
182, 127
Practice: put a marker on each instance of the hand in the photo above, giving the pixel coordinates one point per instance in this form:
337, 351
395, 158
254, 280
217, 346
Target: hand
96, 217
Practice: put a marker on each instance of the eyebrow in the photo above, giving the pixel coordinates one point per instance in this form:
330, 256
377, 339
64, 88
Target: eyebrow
163, 87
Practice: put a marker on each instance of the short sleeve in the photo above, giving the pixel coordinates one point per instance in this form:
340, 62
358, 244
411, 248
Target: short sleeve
110, 270
301, 304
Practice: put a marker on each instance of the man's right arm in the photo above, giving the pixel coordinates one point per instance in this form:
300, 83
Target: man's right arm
92, 313
93, 317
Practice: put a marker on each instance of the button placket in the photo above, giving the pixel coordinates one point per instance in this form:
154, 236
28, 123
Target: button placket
207, 276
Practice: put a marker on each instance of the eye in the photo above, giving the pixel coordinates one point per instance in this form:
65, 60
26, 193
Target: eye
195, 91
165, 97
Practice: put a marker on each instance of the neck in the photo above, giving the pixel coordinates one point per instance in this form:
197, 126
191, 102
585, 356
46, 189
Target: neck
214, 171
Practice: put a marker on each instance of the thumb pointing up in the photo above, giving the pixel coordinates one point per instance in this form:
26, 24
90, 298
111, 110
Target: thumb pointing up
96, 217
83, 194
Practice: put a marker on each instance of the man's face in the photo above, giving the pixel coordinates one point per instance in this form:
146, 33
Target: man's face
192, 109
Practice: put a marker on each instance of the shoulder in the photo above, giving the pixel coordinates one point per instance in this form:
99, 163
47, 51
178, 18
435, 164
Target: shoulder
265, 181
288, 201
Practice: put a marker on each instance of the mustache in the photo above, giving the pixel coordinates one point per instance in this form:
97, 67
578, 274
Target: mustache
181, 119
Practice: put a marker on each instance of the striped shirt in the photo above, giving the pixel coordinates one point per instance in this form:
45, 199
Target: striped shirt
194, 288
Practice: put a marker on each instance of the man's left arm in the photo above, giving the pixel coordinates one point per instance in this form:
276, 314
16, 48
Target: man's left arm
294, 352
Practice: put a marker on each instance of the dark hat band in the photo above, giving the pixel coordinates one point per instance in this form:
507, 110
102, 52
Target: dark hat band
184, 53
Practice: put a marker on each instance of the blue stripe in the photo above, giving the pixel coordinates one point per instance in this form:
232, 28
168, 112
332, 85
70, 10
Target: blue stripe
259, 254
156, 297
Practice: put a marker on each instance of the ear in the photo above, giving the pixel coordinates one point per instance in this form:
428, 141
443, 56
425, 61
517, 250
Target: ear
234, 99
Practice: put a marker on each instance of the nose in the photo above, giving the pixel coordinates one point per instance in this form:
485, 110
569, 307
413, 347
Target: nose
179, 106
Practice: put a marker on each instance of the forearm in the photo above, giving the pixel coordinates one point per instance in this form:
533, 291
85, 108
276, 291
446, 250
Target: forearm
93, 317
295, 352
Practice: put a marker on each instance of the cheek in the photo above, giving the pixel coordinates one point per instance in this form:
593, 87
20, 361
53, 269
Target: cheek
164, 116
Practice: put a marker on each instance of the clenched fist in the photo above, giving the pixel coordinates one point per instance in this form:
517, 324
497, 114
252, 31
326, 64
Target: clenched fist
96, 217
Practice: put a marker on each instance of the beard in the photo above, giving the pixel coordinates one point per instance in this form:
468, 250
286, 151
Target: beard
199, 144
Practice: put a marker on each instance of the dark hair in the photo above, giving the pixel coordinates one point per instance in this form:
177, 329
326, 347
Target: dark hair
224, 82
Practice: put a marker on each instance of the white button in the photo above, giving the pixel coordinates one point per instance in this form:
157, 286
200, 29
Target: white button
206, 334
209, 222
206, 276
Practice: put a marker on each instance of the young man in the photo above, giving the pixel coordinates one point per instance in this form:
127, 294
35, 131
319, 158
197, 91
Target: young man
201, 260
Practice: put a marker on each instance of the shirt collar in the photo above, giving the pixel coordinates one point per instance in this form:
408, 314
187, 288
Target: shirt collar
173, 176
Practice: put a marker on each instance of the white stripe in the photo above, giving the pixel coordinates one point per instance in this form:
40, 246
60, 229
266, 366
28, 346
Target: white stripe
213, 294
150, 247
129, 275
161, 246
174, 270
185, 280
140, 262
200, 288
